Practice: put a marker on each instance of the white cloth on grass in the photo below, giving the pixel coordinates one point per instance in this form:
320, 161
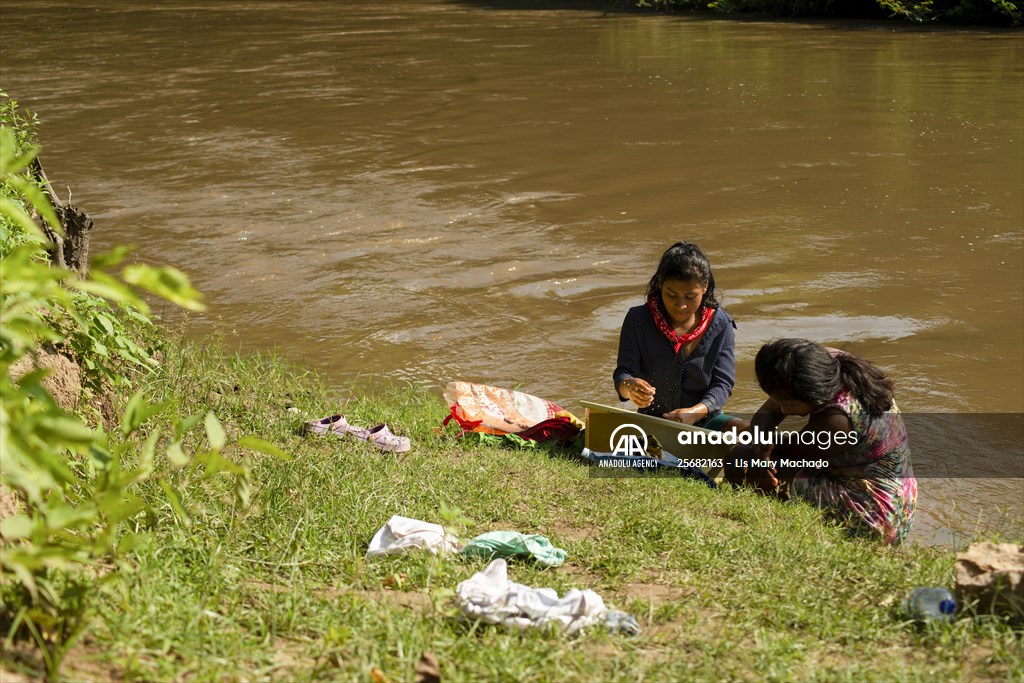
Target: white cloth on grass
404, 533
490, 597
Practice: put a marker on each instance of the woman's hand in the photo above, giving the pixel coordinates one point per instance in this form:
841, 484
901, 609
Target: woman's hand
766, 419
689, 415
763, 480
638, 391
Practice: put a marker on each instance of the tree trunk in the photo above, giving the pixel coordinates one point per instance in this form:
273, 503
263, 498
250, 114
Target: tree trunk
72, 250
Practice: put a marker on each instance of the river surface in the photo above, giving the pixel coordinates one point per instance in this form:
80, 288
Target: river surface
429, 190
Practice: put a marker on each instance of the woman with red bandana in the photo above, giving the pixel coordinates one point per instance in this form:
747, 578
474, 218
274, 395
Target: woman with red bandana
676, 351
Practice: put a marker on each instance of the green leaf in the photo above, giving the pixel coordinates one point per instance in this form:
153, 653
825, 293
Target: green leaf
20, 217
107, 287
214, 432
174, 498
109, 259
30, 191
263, 447
132, 541
37, 474
136, 413
243, 491
176, 454
147, 455
185, 425
216, 463
121, 507
18, 526
64, 516
24, 574
166, 282
34, 378
105, 322
10, 161
101, 457
64, 429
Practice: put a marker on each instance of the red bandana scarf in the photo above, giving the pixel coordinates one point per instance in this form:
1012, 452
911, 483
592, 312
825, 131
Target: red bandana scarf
666, 329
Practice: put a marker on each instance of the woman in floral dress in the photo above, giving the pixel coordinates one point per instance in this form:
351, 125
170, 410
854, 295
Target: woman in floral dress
852, 457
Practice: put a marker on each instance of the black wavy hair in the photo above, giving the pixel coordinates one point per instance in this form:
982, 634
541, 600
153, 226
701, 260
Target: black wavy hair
805, 371
685, 261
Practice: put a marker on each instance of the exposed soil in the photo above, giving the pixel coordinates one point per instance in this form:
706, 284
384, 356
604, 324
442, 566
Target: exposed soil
10, 504
65, 380
564, 532
654, 592
413, 599
583, 577
64, 383
8, 676
81, 663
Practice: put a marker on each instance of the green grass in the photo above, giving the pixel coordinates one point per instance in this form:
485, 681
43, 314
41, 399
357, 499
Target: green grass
727, 585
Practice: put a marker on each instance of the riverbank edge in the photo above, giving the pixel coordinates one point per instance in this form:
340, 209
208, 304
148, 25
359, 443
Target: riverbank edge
895, 15
725, 583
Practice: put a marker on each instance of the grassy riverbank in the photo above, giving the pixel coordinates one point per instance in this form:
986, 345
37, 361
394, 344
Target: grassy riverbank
726, 585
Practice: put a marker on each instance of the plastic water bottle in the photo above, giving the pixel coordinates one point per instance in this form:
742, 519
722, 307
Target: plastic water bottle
930, 604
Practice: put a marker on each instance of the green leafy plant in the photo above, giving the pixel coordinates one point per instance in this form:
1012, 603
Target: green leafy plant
110, 343
77, 484
453, 518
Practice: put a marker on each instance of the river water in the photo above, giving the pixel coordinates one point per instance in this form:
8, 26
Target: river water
428, 190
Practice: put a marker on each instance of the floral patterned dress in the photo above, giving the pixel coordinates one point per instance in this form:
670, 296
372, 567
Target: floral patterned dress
871, 485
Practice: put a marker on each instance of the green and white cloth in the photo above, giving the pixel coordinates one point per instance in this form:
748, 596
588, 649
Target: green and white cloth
514, 544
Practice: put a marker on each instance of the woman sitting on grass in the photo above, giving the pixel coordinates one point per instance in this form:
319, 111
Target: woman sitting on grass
852, 457
676, 349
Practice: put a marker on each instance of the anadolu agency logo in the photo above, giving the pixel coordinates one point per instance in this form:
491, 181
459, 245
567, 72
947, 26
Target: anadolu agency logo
629, 440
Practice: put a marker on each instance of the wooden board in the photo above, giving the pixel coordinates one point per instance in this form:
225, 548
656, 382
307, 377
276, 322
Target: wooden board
665, 431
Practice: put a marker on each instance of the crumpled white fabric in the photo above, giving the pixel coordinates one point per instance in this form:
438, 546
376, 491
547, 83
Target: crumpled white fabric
404, 533
490, 596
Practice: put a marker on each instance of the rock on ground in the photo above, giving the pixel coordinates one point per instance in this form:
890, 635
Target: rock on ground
992, 574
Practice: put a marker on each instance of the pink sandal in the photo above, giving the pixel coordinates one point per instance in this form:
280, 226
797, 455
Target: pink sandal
380, 436
332, 423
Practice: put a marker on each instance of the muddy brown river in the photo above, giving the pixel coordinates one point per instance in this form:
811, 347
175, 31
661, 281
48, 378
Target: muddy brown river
431, 190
